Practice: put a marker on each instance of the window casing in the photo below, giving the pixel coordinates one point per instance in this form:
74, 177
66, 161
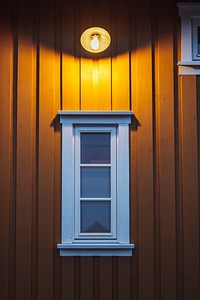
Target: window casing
190, 38
95, 184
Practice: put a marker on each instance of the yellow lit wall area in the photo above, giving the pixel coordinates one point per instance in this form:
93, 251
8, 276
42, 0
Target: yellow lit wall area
95, 81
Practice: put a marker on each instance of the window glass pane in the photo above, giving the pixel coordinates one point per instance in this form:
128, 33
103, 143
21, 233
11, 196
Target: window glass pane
95, 182
198, 33
95, 216
95, 148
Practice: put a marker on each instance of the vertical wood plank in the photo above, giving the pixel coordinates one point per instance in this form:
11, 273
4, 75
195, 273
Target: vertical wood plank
134, 207
115, 277
105, 278
13, 137
70, 56
198, 139
178, 160
67, 278
120, 61
35, 156
165, 164
104, 85
145, 154
46, 151
96, 278
24, 152
133, 153
190, 188
95, 84
124, 278
86, 284
57, 151
179, 202
88, 94
88, 73
102, 18
156, 146
77, 278
6, 76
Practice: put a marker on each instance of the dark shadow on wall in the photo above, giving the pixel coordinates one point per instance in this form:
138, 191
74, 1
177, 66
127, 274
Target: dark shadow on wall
58, 24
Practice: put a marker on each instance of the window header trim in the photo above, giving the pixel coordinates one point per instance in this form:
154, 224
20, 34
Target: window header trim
95, 117
189, 9
95, 112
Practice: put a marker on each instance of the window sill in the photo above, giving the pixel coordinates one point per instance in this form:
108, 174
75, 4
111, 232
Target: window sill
189, 67
95, 249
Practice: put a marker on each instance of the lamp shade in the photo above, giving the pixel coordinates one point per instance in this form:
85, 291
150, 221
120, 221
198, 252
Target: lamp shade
95, 39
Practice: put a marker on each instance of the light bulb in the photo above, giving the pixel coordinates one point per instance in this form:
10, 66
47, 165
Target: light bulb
95, 42
95, 39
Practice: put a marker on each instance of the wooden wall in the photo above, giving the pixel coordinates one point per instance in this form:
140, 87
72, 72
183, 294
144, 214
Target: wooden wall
43, 69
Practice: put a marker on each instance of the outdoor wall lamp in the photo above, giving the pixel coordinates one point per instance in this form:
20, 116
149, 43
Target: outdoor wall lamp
95, 39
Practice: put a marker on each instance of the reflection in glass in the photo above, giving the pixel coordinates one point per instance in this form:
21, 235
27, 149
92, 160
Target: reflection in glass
198, 33
95, 216
95, 182
95, 148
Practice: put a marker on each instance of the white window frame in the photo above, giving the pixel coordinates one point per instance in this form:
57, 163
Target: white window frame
117, 243
96, 128
190, 17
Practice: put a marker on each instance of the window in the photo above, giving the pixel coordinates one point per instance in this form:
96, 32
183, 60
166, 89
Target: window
95, 187
196, 39
95, 184
190, 38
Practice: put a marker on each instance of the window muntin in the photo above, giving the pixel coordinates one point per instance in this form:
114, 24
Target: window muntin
95, 173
